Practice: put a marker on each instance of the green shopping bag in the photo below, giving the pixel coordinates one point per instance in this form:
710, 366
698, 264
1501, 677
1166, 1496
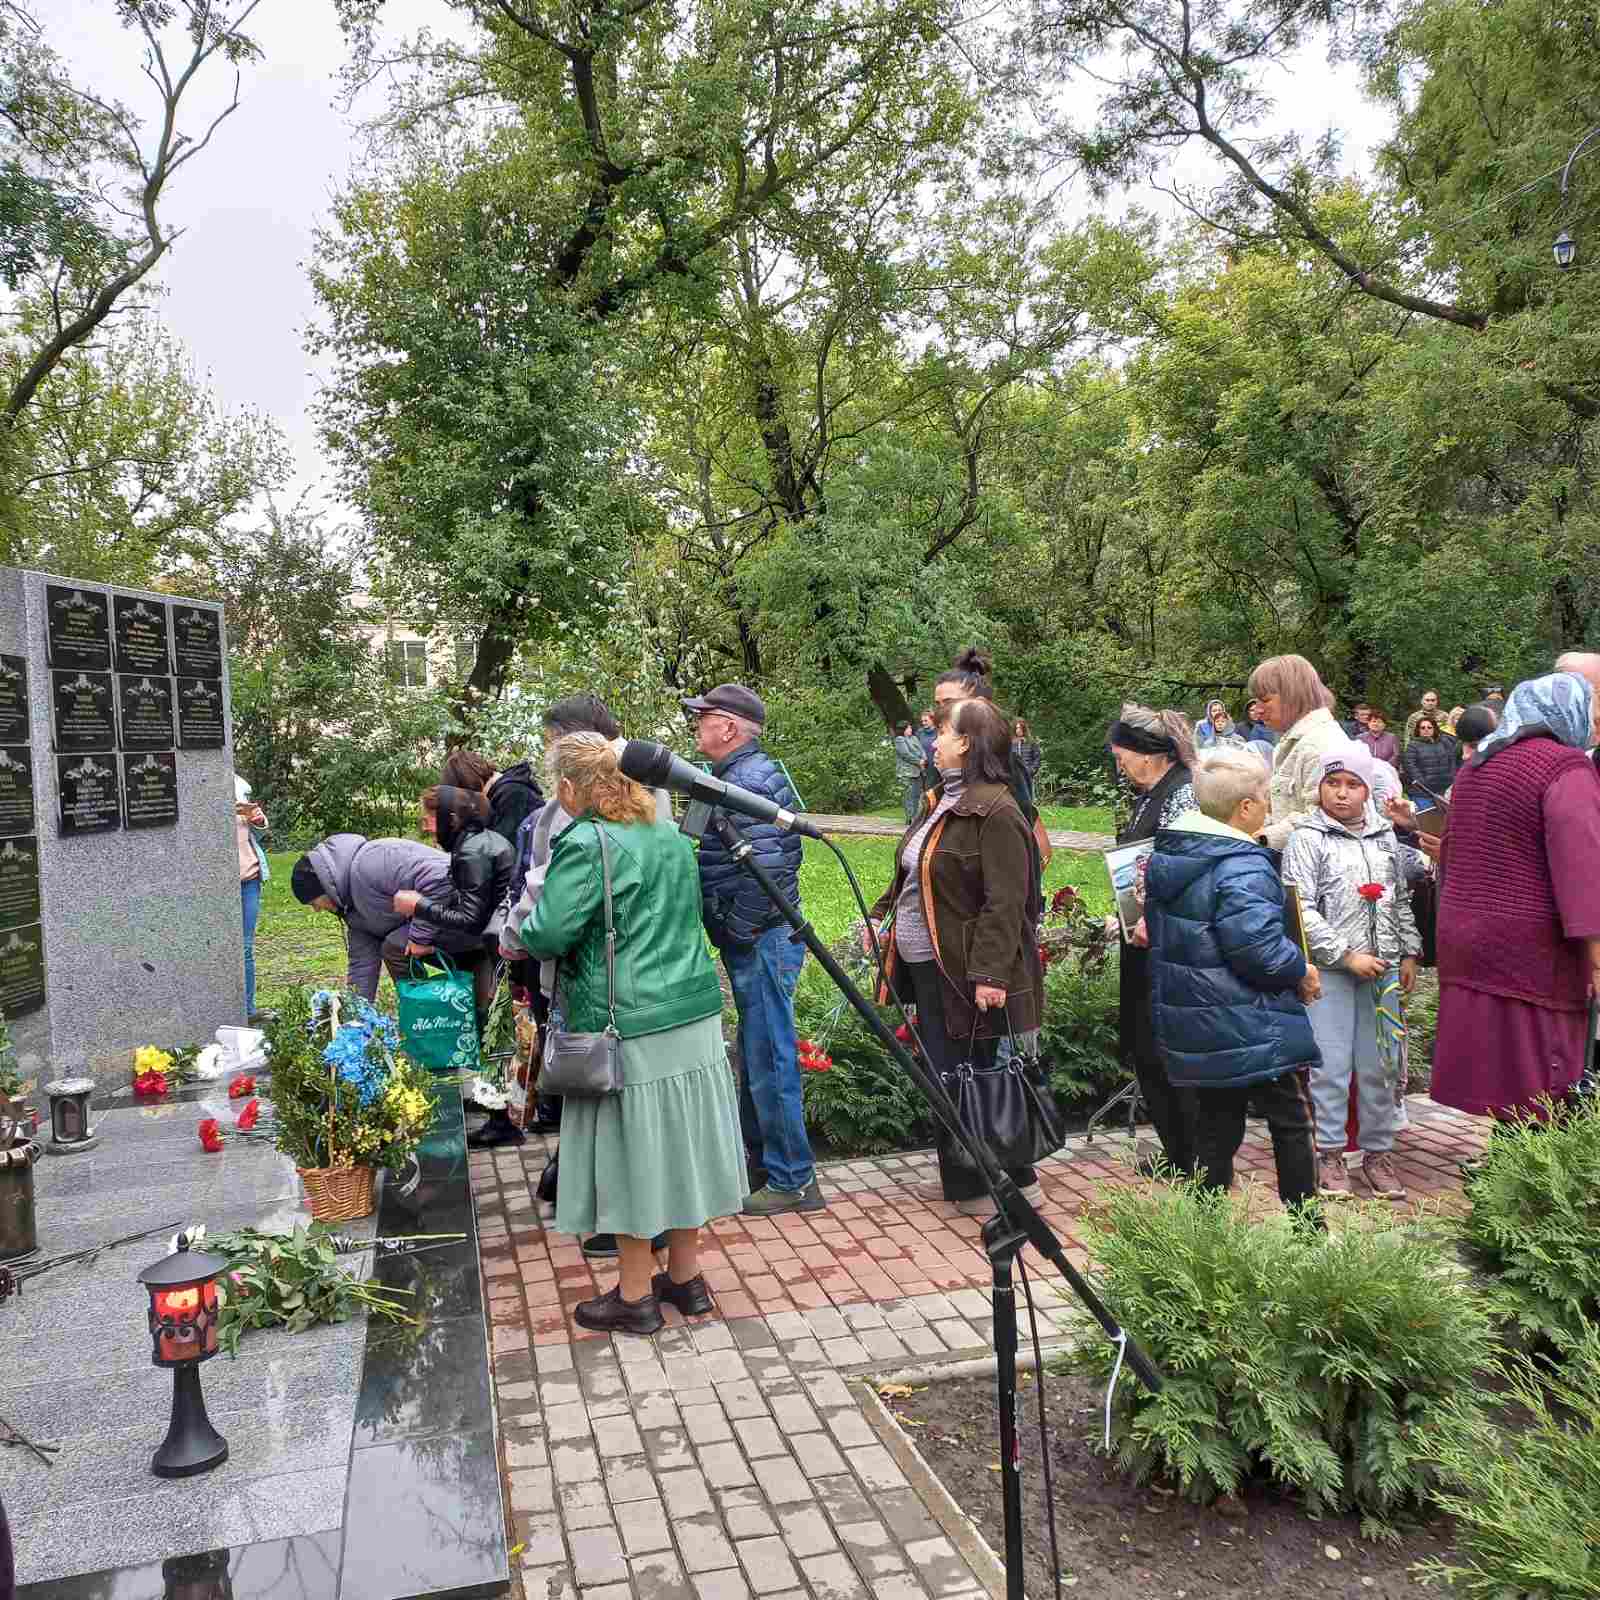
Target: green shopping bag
438, 1026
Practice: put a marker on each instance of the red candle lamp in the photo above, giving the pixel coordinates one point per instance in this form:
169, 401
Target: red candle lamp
183, 1333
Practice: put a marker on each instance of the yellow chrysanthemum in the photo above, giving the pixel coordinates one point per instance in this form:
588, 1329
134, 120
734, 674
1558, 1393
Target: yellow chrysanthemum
147, 1058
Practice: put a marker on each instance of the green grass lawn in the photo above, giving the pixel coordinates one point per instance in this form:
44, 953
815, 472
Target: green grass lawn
297, 945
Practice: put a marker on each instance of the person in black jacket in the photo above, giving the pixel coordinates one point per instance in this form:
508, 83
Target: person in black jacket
1429, 760
763, 962
513, 795
1227, 986
480, 869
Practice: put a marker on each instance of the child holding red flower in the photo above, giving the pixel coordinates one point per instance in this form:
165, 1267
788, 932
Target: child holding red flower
1345, 861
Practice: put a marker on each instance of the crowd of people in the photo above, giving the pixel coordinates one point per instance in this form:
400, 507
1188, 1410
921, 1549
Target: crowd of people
1288, 898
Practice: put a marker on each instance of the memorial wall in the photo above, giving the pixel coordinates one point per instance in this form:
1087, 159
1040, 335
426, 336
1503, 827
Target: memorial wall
119, 899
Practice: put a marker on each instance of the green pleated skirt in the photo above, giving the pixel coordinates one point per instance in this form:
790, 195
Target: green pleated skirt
664, 1153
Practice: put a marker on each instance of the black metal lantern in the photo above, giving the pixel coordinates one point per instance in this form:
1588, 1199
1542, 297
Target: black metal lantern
69, 1115
1565, 250
183, 1332
199, 1577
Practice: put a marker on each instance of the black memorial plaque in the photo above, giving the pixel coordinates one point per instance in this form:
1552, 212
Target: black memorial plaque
139, 628
150, 789
144, 712
77, 629
16, 791
200, 724
81, 704
19, 883
21, 972
13, 700
197, 641
91, 798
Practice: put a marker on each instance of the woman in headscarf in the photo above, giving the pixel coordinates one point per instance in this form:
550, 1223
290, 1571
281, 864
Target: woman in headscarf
1216, 727
1154, 751
1519, 911
1296, 705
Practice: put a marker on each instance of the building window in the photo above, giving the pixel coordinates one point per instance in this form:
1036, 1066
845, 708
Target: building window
408, 663
466, 656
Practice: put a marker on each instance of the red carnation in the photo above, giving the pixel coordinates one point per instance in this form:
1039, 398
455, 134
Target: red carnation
240, 1087
1370, 891
247, 1118
903, 1033
150, 1085
1063, 897
211, 1135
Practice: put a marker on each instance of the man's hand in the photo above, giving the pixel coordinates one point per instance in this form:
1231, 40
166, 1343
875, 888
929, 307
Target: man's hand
405, 902
1360, 965
1431, 845
1408, 975
1310, 987
987, 997
414, 949
1141, 935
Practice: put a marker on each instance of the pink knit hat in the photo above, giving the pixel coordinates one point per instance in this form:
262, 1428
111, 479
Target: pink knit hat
1353, 758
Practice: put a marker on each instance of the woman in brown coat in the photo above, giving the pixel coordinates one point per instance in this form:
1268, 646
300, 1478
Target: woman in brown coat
962, 947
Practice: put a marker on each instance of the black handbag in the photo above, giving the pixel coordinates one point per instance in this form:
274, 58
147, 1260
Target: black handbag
579, 1065
1009, 1106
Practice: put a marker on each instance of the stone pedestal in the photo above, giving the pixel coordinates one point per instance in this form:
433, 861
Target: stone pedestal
138, 937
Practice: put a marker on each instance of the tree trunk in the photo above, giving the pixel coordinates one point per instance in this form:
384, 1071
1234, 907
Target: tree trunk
888, 697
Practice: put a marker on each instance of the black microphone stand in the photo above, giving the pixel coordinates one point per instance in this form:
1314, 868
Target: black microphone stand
1014, 1224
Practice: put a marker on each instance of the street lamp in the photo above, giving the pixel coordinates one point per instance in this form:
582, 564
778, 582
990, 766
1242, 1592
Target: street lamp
183, 1333
1566, 247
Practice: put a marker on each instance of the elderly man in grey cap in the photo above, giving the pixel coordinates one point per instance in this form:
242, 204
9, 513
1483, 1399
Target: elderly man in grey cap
763, 962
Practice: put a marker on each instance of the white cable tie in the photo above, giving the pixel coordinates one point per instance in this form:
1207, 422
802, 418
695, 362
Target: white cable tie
1111, 1388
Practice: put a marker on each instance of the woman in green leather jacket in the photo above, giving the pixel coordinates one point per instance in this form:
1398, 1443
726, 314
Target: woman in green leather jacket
665, 1154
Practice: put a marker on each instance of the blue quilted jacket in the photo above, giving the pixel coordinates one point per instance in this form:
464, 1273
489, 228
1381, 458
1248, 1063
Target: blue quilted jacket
735, 909
1223, 972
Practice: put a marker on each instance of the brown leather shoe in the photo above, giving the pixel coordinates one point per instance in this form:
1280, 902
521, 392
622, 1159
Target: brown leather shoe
1377, 1174
1333, 1178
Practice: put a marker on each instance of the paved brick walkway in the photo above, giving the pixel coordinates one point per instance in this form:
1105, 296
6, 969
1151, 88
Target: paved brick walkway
727, 1457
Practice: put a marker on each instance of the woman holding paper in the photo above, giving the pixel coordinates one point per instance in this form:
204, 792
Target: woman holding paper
1154, 751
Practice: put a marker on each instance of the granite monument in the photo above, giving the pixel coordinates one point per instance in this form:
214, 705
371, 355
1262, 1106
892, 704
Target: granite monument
119, 900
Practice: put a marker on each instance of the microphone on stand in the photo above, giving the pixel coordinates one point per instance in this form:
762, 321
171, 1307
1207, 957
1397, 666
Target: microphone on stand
656, 767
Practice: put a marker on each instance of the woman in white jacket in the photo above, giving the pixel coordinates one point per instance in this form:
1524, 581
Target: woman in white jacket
1294, 704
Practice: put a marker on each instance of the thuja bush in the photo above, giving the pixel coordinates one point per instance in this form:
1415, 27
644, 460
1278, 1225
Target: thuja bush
1329, 1364
1533, 1224
862, 1102
1525, 1496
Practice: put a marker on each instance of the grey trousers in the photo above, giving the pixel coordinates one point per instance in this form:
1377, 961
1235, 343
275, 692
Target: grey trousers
1345, 1022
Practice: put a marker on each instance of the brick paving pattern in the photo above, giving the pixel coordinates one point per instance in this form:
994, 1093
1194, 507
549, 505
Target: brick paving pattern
726, 1458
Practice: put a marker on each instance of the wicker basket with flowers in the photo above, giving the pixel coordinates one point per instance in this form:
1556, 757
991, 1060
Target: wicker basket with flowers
344, 1101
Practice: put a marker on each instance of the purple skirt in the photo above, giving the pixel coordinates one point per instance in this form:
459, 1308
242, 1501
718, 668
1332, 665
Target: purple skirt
1495, 1057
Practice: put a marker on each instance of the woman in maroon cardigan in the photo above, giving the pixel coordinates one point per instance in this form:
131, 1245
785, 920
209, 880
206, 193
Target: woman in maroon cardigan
1519, 911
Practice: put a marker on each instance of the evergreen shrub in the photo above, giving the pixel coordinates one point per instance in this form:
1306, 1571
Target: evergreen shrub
1525, 1495
1533, 1224
1328, 1363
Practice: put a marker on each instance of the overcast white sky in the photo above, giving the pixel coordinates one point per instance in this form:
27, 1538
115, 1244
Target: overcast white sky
238, 294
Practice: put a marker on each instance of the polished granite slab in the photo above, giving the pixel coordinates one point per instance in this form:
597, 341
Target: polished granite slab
331, 1432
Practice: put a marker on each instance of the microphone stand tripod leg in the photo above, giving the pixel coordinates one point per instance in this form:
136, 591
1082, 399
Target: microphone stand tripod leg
1002, 1241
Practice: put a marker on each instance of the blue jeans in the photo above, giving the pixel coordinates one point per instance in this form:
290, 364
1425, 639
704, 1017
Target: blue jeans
250, 904
771, 1112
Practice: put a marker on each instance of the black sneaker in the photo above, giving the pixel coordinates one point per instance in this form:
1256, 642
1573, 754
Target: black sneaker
693, 1299
612, 1314
602, 1246
498, 1130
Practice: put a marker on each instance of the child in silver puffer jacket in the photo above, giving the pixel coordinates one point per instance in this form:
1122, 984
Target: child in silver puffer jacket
1347, 865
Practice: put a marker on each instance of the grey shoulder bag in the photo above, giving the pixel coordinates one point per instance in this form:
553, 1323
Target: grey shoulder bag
589, 1065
